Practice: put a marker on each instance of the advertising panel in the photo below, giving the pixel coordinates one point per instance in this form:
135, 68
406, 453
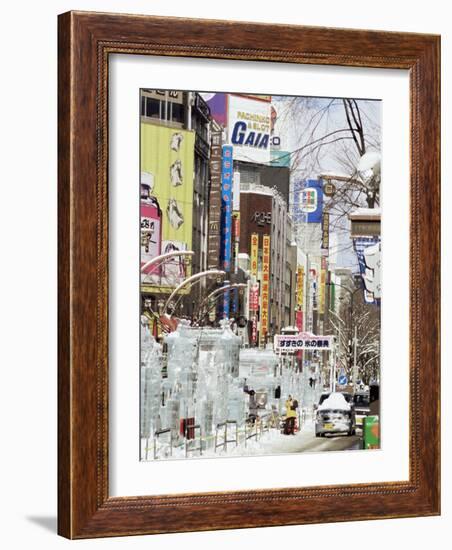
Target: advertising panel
214, 236
150, 226
300, 286
226, 206
254, 253
311, 199
249, 123
325, 231
322, 291
362, 246
254, 297
299, 320
226, 218
167, 158
218, 104
265, 286
296, 342
308, 201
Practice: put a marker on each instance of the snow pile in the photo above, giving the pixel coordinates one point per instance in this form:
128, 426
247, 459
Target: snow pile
335, 401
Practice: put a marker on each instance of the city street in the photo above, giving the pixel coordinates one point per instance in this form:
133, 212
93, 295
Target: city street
260, 273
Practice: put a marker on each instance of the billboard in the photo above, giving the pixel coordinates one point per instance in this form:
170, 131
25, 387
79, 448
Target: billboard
167, 158
249, 123
218, 105
308, 201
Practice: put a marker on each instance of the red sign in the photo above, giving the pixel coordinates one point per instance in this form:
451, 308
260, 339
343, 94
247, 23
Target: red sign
253, 329
254, 297
299, 320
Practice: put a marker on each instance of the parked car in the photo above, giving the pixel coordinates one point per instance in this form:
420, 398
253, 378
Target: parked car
335, 414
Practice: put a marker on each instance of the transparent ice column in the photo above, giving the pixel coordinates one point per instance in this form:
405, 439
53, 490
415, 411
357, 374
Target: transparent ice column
151, 381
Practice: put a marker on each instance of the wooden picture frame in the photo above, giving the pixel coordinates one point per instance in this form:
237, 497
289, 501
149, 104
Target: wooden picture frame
85, 508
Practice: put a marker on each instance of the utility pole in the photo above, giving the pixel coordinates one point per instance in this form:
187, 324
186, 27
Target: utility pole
355, 366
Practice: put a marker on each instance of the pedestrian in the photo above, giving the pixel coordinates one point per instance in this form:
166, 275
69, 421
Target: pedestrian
291, 414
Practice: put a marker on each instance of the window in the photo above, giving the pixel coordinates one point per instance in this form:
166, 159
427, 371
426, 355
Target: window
153, 108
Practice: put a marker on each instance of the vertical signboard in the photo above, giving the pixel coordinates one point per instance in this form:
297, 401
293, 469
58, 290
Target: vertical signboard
322, 285
265, 286
151, 227
167, 158
226, 217
322, 291
308, 201
325, 232
214, 236
311, 199
300, 287
226, 207
253, 253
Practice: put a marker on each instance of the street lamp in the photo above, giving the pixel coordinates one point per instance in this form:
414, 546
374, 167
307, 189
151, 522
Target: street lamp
214, 293
193, 278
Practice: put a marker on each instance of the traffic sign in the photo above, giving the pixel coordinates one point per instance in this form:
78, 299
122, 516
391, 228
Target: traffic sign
342, 380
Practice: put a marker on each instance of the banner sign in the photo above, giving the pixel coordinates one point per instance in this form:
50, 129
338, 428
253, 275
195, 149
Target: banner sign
292, 343
299, 320
308, 201
311, 200
254, 253
214, 235
254, 329
322, 291
325, 230
300, 286
167, 165
254, 297
249, 122
226, 207
265, 286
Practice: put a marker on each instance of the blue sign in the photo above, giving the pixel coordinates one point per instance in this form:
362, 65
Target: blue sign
360, 244
226, 216
308, 201
342, 380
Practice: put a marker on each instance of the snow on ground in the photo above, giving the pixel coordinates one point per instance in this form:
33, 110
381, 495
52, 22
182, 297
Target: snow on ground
270, 442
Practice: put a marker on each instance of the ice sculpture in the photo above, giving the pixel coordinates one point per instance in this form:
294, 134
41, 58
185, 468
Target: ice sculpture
151, 378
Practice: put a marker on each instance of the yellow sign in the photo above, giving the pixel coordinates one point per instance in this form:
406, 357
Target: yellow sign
300, 286
265, 284
167, 166
254, 248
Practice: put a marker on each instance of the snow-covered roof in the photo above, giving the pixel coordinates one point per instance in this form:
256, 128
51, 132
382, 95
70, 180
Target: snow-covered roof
367, 213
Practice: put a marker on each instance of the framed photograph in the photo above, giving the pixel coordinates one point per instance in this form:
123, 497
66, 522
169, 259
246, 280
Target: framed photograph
249, 294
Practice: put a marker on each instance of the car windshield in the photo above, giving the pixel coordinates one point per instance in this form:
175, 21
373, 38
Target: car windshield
361, 400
